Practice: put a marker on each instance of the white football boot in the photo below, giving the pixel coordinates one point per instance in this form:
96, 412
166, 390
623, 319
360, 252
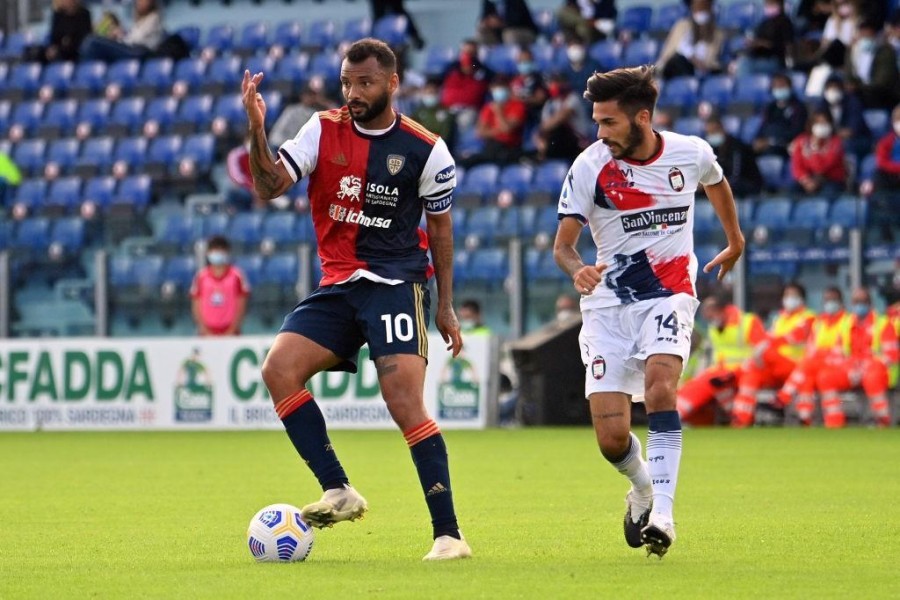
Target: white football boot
659, 534
447, 547
341, 504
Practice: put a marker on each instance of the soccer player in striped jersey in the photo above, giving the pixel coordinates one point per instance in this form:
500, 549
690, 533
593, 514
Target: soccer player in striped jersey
634, 188
371, 174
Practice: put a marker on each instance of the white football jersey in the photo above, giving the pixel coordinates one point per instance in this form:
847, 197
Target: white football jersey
641, 216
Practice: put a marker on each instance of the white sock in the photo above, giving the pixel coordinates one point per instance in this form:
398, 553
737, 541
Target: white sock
663, 457
634, 468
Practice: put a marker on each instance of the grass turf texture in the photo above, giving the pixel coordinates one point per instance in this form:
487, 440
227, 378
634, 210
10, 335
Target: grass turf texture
761, 513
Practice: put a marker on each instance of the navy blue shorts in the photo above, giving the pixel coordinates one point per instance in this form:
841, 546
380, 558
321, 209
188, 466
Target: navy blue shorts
392, 319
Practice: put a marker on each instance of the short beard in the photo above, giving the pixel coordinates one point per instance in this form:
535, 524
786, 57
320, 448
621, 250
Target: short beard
374, 110
635, 138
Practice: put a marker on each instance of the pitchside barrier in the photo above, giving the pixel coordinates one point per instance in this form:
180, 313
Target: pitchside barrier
214, 383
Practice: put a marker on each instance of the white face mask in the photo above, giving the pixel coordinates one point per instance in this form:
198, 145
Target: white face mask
821, 130
833, 95
791, 303
702, 17
575, 53
897, 128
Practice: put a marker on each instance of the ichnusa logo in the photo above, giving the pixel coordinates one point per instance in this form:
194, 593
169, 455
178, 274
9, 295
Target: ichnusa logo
656, 219
342, 214
459, 391
193, 391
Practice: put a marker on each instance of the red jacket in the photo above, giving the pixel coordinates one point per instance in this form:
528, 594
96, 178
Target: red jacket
825, 161
887, 154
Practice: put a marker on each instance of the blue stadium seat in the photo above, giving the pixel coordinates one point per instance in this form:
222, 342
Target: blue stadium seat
127, 116
88, 79
251, 265
798, 82
63, 153
31, 194
732, 125
258, 64
547, 220
717, 90
468, 143
878, 121
148, 271
483, 222
96, 156
155, 77
679, 92
606, 53
123, 73
134, 191
867, 168
213, 224
16, 42
750, 127
326, 64
689, 126
245, 229
356, 29
771, 167
489, 266
545, 19
665, 16
180, 270
480, 182
545, 56
253, 38
392, 29
24, 79
517, 221
502, 59
547, 183
740, 15
58, 76
811, 213
321, 34
458, 215
5, 114
224, 73
438, 58
287, 36
281, 269
230, 108
99, 191
63, 197
162, 154
752, 90
69, 233
132, 151
6, 233
640, 52
32, 237
774, 214
219, 38
194, 114
848, 212
27, 115
94, 112
162, 112
280, 229
59, 118
704, 254
515, 179
121, 271
461, 260
29, 156
175, 234
191, 72
191, 36
200, 149
291, 72
635, 19
705, 219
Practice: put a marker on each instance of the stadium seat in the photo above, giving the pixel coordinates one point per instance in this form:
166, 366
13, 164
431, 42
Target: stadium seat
27, 115
810, 214
689, 126
280, 229
251, 265
545, 19
483, 223
392, 29
848, 212
69, 234
867, 168
258, 64
547, 220
489, 266
502, 59
461, 260
123, 73
545, 56
63, 154
5, 115
547, 183
437, 59
180, 271
198, 148
459, 215
162, 155
99, 191
223, 75
606, 53
194, 115
516, 221
63, 197
245, 230
252, 39
704, 254
162, 112
155, 78
58, 76
750, 127
878, 121
191, 36
640, 52
290, 74
287, 36
635, 19
468, 143
679, 93
29, 156
15, 44
356, 29
705, 219
717, 90
219, 38
739, 16
732, 125
280, 274
175, 234
771, 167
321, 35
23, 81
515, 179
94, 113
480, 183
665, 16
96, 156
134, 191
774, 214
31, 194
126, 118
213, 224
132, 151
752, 90
190, 72
88, 79
326, 64
31, 239
59, 119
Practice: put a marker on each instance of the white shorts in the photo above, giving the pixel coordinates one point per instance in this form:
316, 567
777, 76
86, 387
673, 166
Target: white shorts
615, 341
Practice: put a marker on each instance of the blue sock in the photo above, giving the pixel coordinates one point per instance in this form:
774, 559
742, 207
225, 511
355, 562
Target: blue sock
429, 454
305, 426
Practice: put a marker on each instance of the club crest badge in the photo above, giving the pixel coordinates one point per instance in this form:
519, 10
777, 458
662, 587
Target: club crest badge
676, 179
598, 367
395, 162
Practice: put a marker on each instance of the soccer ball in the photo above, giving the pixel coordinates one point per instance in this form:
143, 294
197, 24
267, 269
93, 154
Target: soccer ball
278, 533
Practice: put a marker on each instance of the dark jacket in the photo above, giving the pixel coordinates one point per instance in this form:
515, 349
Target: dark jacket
67, 31
738, 162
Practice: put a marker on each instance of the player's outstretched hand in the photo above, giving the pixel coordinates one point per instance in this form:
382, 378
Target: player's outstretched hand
253, 100
587, 278
448, 325
724, 260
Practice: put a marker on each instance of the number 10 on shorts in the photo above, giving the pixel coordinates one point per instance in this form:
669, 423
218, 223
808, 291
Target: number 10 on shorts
398, 326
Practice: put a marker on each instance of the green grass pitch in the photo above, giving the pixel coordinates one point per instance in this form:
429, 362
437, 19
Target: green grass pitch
763, 513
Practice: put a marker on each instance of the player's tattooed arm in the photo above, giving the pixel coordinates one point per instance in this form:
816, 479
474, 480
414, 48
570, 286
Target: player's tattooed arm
270, 177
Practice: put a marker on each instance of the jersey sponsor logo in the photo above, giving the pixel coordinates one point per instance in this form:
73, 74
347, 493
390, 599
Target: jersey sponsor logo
658, 219
446, 174
385, 195
351, 187
395, 162
439, 205
343, 214
676, 179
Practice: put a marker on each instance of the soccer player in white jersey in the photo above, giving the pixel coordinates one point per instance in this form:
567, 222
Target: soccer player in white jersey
634, 188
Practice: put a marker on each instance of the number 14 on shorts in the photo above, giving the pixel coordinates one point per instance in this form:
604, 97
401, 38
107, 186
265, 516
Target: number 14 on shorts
667, 327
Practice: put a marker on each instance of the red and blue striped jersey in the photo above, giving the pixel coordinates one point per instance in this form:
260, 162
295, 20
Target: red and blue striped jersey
367, 191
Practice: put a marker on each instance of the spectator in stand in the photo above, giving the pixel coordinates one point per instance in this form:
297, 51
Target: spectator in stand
873, 62
737, 159
529, 87
219, 292
846, 109
466, 85
70, 24
587, 21
771, 45
312, 99
884, 203
470, 319
817, 158
501, 124
783, 118
562, 132
694, 45
381, 8
812, 15
662, 120
578, 66
432, 115
892, 35
506, 21
140, 41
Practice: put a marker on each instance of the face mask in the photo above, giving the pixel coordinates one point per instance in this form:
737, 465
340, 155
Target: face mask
897, 128
781, 93
831, 307
525, 68
867, 44
500, 94
575, 53
702, 17
217, 259
466, 324
833, 95
429, 100
565, 315
715, 139
772, 10
821, 130
791, 303
861, 309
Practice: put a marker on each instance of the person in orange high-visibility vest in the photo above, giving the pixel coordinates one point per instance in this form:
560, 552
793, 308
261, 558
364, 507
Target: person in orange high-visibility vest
775, 358
826, 339
733, 334
869, 360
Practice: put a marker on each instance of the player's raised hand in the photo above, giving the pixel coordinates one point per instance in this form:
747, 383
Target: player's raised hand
587, 278
724, 260
253, 100
448, 325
